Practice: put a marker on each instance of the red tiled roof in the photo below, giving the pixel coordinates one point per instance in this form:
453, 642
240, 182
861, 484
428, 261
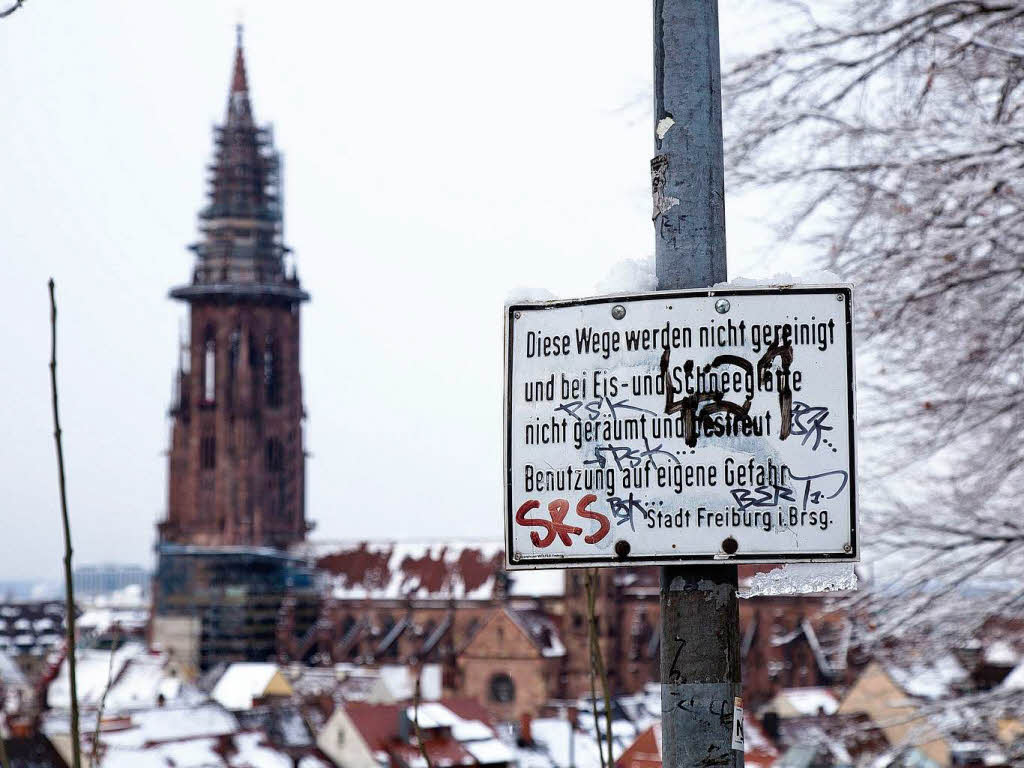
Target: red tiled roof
395, 570
378, 724
645, 752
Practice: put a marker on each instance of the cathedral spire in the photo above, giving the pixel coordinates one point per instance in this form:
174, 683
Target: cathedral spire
241, 252
239, 108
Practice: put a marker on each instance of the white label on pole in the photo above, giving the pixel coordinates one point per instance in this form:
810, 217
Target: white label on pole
695, 426
737, 724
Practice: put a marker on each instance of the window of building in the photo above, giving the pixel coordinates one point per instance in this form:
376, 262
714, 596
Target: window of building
272, 371
234, 343
274, 455
502, 688
209, 367
574, 583
207, 452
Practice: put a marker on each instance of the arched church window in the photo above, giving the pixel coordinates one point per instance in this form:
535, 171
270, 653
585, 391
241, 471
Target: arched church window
209, 367
272, 371
502, 688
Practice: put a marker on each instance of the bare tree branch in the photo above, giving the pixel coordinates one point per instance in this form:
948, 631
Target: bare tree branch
899, 126
8, 11
69, 592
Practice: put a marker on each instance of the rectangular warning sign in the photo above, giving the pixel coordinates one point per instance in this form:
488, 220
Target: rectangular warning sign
700, 426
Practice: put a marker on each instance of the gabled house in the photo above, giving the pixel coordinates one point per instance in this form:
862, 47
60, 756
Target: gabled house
512, 662
877, 694
453, 732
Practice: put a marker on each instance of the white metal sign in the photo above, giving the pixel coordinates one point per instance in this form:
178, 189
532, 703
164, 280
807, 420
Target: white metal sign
700, 426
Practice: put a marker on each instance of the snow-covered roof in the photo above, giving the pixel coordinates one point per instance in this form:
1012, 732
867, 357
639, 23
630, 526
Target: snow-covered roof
541, 629
1015, 680
245, 750
490, 751
145, 681
1001, 653
932, 679
94, 670
283, 722
10, 673
461, 724
804, 702
441, 570
161, 724
242, 682
101, 620
133, 679
551, 737
31, 628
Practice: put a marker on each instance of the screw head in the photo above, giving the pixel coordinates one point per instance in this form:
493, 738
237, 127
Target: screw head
518, 315
839, 297
618, 311
847, 548
722, 306
515, 557
730, 545
622, 548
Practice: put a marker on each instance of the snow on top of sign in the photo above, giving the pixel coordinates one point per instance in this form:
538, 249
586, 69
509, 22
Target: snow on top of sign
802, 579
814, 277
630, 275
640, 276
526, 293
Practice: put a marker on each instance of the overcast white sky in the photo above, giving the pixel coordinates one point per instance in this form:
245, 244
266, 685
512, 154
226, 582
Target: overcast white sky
437, 156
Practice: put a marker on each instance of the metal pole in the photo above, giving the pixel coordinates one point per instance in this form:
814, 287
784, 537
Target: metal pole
700, 663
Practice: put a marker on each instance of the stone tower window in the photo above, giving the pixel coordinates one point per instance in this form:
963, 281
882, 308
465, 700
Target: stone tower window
208, 452
502, 688
209, 367
274, 455
234, 344
272, 371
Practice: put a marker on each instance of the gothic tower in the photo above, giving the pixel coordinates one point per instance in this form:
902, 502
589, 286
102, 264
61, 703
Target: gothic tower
237, 462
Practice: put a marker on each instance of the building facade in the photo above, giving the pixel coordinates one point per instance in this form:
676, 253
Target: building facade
517, 641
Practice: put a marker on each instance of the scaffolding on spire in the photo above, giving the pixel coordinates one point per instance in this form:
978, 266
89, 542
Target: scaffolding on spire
242, 249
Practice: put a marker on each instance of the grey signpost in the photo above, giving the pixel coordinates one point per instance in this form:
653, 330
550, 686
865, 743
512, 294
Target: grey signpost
605, 398
700, 664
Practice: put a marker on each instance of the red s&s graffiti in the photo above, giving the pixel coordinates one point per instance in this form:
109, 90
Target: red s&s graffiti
556, 526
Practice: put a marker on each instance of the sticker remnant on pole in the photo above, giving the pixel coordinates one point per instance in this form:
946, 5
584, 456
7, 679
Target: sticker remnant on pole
737, 724
694, 426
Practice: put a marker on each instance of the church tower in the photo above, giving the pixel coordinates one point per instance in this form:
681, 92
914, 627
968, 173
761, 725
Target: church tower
237, 461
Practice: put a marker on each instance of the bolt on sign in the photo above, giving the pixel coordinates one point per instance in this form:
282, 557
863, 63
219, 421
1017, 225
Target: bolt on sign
691, 426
